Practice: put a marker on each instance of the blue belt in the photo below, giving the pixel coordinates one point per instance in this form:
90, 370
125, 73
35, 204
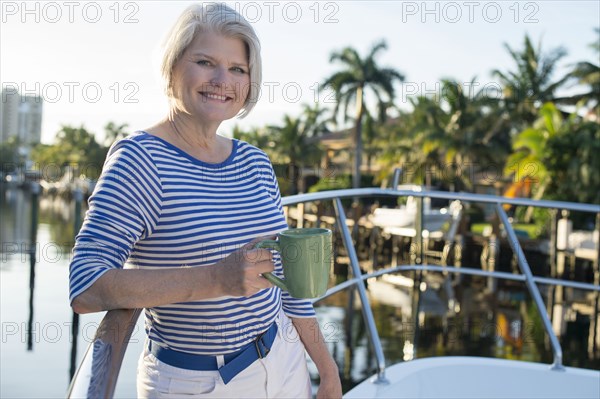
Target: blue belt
235, 362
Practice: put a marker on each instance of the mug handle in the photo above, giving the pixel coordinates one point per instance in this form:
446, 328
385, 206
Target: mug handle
272, 244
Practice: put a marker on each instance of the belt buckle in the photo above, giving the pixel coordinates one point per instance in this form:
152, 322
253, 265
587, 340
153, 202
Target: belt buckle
256, 344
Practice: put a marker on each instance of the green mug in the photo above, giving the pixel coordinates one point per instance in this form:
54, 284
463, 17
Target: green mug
306, 256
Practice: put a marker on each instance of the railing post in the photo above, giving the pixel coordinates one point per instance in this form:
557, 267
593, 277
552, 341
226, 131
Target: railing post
416, 249
563, 229
416, 308
493, 257
396, 178
594, 336
300, 219
552, 261
78, 198
99, 369
362, 292
349, 351
35, 195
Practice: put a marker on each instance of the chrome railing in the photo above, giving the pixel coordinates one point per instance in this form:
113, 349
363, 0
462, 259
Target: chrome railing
358, 280
532, 287
100, 366
96, 376
362, 291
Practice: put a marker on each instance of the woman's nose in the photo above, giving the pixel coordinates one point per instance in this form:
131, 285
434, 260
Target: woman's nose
219, 76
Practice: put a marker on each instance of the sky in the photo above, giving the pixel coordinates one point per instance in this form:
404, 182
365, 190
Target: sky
97, 61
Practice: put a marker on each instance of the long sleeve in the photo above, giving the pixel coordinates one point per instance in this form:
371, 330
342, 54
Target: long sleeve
124, 208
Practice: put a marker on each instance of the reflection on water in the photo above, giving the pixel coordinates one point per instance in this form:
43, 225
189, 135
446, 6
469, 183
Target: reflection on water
476, 322
34, 307
16, 231
469, 318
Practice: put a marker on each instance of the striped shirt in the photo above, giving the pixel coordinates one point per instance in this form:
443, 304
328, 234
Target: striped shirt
156, 206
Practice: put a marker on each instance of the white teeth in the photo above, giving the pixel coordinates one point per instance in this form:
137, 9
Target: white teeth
215, 96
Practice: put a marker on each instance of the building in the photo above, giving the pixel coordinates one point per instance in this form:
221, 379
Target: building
9, 115
21, 117
30, 119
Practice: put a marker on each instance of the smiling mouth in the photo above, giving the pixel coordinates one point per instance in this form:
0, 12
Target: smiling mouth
215, 97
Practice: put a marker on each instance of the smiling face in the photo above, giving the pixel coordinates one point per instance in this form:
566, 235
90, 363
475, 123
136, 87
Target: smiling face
211, 80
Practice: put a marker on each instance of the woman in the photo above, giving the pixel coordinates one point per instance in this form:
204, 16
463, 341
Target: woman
184, 207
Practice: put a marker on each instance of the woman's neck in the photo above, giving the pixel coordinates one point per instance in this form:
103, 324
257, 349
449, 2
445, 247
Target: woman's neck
201, 141
192, 133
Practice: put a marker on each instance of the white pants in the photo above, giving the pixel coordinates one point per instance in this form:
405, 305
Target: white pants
282, 374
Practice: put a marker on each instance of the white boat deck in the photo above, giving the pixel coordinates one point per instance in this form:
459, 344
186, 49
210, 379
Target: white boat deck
478, 377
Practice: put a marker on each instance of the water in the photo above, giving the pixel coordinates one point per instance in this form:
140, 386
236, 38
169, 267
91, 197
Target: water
36, 323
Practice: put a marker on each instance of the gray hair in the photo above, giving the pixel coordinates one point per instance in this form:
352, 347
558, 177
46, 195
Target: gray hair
217, 18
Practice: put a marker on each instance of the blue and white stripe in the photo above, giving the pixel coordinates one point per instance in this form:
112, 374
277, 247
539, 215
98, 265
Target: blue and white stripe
156, 207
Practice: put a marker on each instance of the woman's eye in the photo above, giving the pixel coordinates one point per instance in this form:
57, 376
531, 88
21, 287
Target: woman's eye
203, 62
238, 70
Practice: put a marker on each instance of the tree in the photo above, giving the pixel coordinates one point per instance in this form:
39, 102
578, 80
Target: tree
50, 159
405, 141
314, 120
572, 162
530, 85
559, 154
451, 136
75, 148
530, 150
255, 136
114, 132
469, 136
296, 141
349, 85
587, 74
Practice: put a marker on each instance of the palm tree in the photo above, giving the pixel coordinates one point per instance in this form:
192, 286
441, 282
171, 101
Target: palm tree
314, 120
370, 132
295, 139
255, 136
471, 137
531, 149
572, 162
559, 154
450, 137
587, 74
350, 84
531, 84
426, 121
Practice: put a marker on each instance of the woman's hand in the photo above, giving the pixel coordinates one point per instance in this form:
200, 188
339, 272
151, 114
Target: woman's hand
312, 338
239, 274
330, 386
